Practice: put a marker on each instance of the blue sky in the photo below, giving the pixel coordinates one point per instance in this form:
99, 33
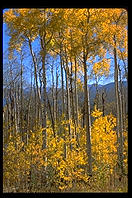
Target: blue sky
27, 61
5, 38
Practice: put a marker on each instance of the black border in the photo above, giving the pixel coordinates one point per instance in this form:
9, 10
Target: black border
49, 4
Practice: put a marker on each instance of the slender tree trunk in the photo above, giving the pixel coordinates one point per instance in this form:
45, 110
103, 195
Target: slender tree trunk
118, 110
15, 111
44, 115
28, 107
53, 92
88, 130
97, 93
39, 109
21, 99
56, 96
35, 107
76, 95
68, 101
71, 95
121, 103
76, 104
45, 104
103, 104
43, 50
11, 96
62, 81
51, 115
123, 115
18, 108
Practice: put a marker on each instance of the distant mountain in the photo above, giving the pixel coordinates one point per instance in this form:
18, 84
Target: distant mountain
109, 89
112, 85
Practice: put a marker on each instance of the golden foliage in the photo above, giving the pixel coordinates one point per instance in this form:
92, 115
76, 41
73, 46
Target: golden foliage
104, 141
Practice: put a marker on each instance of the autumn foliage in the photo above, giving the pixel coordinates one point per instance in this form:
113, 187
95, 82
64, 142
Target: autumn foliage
28, 165
54, 141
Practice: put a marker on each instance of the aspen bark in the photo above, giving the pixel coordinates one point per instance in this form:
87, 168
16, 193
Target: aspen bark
45, 104
118, 110
53, 92
68, 105
39, 113
71, 94
44, 114
15, 112
76, 95
62, 81
97, 93
21, 100
76, 104
43, 56
87, 121
56, 96
12, 99
103, 104
123, 115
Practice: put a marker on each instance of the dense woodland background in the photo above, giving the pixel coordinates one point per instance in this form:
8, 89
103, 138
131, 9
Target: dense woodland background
62, 129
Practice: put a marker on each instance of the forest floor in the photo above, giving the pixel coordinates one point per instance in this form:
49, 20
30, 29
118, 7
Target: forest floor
87, 188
